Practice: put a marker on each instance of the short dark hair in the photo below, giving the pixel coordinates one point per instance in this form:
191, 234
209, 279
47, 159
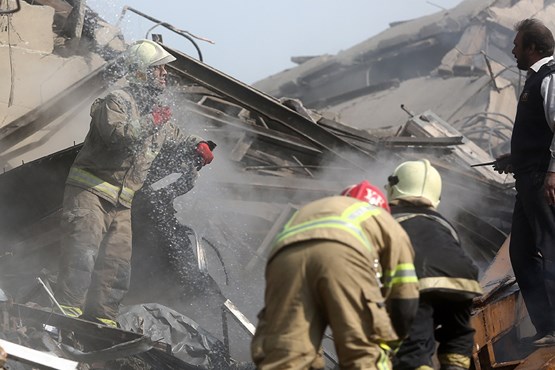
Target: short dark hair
534, 32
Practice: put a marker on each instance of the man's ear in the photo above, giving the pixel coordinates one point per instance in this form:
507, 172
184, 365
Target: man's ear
532, 48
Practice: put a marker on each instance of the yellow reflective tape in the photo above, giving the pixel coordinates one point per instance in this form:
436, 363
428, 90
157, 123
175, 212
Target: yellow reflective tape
359, 212
127, 194
402, 280
288, 224
405, 266
108, 322
349, 221
454, 359
71, 311
383, 360
326, 222
404, 273
89, 180
385, 346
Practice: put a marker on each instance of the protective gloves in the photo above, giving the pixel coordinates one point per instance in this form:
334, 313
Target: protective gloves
205, 154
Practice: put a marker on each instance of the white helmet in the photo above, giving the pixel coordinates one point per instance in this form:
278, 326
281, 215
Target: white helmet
415, 179
141, 55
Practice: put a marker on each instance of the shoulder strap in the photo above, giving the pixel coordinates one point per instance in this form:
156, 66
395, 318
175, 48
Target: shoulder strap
400, 217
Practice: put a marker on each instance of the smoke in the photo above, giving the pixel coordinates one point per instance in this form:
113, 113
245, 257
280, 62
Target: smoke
234, 212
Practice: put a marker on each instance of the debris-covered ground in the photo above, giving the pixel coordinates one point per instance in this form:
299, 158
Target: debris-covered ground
199, 253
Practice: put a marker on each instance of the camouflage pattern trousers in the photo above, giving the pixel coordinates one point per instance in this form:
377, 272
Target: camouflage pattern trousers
95, 261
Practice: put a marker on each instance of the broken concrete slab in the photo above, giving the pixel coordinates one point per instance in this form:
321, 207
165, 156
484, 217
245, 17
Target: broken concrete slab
30, 28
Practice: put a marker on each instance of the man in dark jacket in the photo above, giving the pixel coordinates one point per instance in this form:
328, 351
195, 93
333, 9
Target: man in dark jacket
532, 161
447, 277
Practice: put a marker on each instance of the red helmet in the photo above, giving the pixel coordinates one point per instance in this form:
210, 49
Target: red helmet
367, 193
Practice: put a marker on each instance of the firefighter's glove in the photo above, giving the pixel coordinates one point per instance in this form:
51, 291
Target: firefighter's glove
503, 165
161, 114
205, 155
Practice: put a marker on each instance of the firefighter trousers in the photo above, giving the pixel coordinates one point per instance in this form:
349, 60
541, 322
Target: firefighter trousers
440, 319
532, 249
95, 262
311, 285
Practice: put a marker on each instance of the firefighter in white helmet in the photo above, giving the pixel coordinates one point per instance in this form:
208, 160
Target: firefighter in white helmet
340, 261
447, 276
128, 129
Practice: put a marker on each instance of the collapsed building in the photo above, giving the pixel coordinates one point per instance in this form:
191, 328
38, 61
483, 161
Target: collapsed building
442, 87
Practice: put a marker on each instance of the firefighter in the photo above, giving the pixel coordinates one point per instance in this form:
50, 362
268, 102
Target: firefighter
447, 276
128, 129
340, 261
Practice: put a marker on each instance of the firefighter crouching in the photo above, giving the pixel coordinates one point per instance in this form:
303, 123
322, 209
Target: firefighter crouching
128, 129
447, 276
341, 261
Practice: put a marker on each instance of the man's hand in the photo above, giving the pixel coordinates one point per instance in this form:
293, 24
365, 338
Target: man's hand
503, 164
549, 188
161, 114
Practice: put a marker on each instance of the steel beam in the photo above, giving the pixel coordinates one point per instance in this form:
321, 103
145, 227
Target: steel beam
267, 106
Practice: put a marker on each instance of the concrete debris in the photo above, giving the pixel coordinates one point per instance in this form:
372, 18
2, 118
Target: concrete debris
199, 252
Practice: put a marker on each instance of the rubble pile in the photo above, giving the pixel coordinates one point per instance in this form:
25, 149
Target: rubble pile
199, 254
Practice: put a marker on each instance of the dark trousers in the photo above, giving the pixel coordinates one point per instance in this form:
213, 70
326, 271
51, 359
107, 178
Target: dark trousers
532, 249
438, 319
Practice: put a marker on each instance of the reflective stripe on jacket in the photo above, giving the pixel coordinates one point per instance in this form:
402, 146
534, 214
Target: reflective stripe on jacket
106, 190
348, 222
369, 230
120, 148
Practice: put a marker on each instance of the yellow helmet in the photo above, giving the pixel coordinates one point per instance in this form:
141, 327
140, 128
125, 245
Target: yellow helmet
415, 179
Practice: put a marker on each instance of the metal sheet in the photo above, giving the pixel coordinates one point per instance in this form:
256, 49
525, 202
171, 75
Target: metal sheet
267, 106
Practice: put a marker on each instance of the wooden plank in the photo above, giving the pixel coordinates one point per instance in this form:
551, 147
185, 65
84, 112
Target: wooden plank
34, 357
542, 358
241, 148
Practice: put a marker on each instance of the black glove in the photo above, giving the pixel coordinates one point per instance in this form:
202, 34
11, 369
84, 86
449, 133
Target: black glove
503, 165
